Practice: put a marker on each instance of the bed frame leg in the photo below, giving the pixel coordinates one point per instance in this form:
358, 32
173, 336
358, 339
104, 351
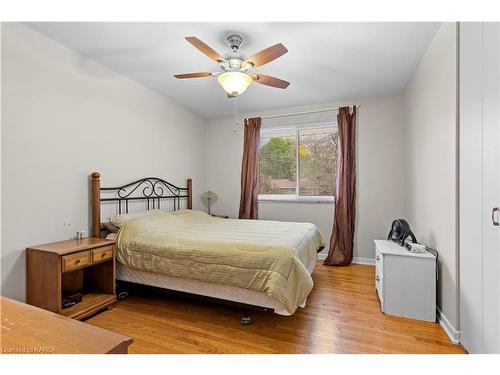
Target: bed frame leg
121, 290
122, 295
246, 320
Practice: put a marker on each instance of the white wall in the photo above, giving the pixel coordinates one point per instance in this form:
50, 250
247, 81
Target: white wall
380, 166
64, 116
431, 109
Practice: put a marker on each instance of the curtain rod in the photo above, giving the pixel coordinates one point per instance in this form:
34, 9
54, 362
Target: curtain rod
303, 113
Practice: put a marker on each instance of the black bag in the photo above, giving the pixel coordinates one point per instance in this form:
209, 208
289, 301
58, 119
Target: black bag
400, 231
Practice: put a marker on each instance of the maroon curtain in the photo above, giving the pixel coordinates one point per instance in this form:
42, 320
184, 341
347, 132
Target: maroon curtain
342, 238
250, 170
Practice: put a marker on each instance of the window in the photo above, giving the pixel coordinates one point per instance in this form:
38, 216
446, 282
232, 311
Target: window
298, 164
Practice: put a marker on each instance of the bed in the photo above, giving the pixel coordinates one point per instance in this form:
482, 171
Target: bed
254, 263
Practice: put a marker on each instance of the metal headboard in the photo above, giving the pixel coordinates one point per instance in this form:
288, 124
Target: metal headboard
151, 190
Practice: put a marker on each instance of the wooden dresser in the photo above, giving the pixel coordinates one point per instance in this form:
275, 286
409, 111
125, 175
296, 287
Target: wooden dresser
85, 266
27, 329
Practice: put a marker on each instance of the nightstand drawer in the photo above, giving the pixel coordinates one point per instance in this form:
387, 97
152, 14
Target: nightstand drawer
379, 263
75, 261
102, 253
379, 285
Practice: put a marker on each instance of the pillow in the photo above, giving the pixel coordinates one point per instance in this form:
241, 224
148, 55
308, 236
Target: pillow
119, 220
108, 225
111, 236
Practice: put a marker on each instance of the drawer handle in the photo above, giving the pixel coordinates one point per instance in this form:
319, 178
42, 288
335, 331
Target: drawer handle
77, 261
378, 279
378, 258
103, 255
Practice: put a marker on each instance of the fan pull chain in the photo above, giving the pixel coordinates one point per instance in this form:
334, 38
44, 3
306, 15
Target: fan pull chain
235, 114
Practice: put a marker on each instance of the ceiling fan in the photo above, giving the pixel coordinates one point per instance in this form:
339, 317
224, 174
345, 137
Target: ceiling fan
235, 74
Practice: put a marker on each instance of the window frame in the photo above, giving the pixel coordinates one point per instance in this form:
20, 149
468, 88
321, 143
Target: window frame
297, 198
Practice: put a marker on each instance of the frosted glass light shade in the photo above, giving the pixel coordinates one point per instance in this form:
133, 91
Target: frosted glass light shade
234, 82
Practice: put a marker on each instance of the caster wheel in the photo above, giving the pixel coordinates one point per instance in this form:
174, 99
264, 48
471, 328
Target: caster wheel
246, 321
122, 295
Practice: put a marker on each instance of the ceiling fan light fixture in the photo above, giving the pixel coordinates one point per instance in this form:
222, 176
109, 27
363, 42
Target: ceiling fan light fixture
235, 71
234, 82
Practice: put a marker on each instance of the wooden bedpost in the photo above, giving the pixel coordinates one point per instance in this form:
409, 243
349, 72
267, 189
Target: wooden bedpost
96, 204
190, 194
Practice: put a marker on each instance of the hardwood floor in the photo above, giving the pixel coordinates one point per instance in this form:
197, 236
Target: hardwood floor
342, 316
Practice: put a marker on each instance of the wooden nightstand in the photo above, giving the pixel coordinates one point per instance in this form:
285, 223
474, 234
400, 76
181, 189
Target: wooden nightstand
221, 216
86, 266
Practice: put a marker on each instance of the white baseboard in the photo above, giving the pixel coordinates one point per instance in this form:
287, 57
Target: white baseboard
365, 261
322, 256
355, 260
451, 331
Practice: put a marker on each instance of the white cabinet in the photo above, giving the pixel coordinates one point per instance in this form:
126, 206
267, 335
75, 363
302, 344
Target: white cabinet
405, 282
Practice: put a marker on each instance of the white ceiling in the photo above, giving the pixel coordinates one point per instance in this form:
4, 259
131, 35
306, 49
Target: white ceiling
326, 61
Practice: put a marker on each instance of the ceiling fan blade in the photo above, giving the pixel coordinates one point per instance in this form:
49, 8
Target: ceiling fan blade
193, 75
270, 81
267, 55
204, 48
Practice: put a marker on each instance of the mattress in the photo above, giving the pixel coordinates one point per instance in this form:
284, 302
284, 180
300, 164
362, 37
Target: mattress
219, 291
267, 257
